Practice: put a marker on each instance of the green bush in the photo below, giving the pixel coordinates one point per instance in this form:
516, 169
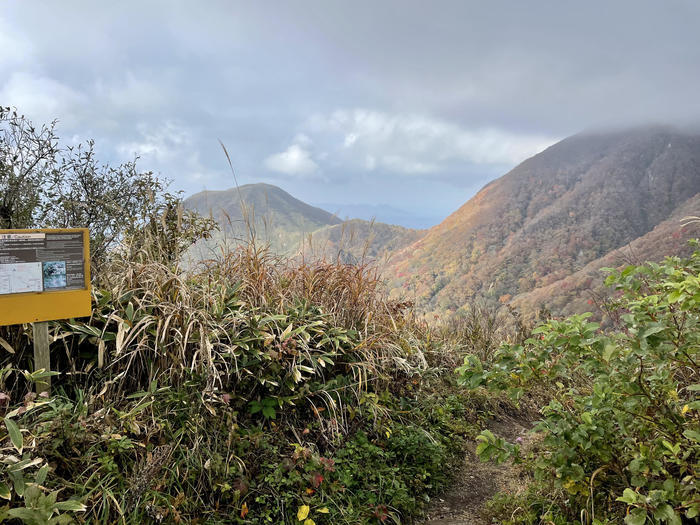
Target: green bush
621, 434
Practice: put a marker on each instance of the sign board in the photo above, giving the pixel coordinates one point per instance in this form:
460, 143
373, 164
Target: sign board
44, 275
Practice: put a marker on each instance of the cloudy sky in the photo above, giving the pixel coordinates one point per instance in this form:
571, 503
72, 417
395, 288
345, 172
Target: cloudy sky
397, 105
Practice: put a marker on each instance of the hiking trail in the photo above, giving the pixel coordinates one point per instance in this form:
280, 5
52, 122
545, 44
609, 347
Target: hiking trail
478, 482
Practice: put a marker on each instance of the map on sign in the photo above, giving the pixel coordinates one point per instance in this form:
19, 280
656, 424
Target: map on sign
39, 262
20, 277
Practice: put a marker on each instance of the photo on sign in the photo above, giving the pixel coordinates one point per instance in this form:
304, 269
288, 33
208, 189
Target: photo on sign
54, 274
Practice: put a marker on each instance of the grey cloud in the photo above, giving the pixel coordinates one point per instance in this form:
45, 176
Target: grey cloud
254, 75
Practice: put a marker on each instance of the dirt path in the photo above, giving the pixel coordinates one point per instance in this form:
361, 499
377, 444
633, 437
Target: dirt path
479, 482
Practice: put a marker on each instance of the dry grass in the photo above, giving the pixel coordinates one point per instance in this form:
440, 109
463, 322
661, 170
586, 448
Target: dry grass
222, 319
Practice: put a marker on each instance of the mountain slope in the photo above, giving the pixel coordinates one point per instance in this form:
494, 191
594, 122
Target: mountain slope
356, 240
263, 200
576, 292
550, 216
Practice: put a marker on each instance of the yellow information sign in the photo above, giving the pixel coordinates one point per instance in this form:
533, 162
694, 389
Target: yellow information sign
44, 275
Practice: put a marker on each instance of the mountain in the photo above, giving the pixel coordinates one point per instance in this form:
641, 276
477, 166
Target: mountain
577, 292
292, 226
262, 200
274, 215
548, 218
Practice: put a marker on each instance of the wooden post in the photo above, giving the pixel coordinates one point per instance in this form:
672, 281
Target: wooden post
42, 358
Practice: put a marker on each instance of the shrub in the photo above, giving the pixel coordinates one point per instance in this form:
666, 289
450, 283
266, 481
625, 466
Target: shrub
621, 434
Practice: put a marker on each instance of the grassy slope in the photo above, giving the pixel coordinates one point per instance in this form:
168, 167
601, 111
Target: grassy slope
253, 390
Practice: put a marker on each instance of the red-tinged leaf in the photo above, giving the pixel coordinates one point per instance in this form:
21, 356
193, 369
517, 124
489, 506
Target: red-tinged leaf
316, 479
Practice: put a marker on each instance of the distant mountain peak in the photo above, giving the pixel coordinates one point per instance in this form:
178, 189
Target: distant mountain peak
291, 226
264, 199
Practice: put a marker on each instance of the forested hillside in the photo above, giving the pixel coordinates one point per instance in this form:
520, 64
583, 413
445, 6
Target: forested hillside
584, 289
549, 217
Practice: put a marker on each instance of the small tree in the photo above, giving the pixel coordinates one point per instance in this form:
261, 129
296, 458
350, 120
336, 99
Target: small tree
83, 193
44, 185
27, 157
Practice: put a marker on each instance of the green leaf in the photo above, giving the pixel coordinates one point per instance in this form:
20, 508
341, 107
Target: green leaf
71, 505
653, 330
18, 482
24, 514
481, 447
24, 464
636, 517
41, 474
692, 435
628, 496
475, 380
486, 435
15, 435
130, 311
665, 512
5, 491
608, 351
628, 270
674, 449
